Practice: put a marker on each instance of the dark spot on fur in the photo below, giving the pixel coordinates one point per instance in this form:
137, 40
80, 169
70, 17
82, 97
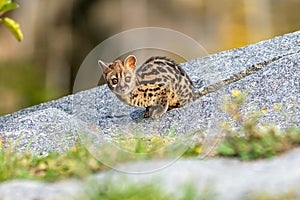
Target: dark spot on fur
159, 62
162, 70
170, 70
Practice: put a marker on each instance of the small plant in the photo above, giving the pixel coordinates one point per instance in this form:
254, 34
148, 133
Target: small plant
136, 147
145, 144
251, 140
13, 26
77, 162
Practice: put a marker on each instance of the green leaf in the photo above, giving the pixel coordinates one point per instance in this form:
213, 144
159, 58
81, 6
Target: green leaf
226, 150
14, 28
7, 1
2, 3
7, 7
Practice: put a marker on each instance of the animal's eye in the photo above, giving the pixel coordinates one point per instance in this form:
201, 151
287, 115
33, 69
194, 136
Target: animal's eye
128, 79
114, 81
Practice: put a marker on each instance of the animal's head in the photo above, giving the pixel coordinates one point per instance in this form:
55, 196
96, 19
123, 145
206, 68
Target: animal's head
120, 76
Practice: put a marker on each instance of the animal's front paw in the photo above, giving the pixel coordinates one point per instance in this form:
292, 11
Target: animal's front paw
147, 112
156, 112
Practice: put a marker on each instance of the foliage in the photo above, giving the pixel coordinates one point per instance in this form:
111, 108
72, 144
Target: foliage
130, 147
77, 162
13, 26
123, 189
136, 143
129, 191
252, 140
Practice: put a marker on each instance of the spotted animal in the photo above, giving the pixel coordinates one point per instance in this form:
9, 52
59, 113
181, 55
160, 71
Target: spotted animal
158, 85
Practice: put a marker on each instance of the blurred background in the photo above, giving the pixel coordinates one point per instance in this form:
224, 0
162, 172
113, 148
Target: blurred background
58, 35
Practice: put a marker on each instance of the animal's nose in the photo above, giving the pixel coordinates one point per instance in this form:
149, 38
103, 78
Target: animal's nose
122, 84
124, 88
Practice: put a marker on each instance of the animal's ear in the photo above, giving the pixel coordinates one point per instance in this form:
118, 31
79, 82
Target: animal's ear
102, 65
130, 62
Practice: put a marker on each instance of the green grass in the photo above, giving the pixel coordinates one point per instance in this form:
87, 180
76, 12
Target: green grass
77, 163
260, 144
252, 140
126, 190
131, 148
